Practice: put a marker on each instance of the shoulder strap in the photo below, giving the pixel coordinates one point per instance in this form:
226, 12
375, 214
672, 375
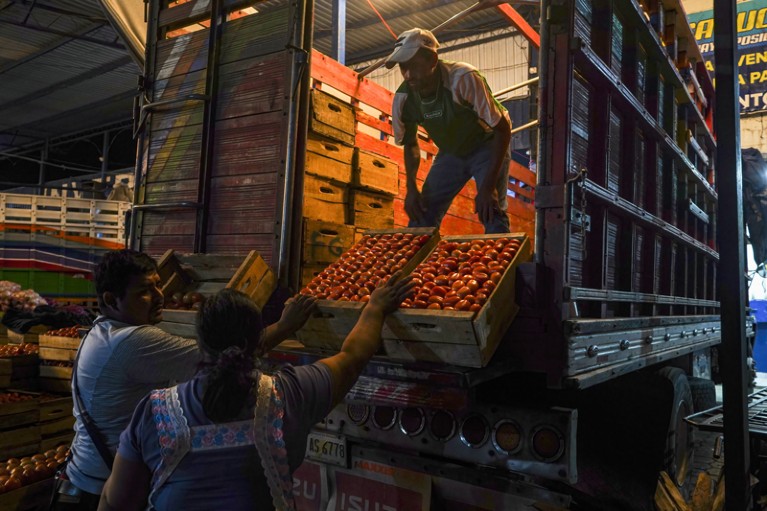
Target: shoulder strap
90, 425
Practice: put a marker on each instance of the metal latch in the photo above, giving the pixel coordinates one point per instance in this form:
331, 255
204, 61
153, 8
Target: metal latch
581, 219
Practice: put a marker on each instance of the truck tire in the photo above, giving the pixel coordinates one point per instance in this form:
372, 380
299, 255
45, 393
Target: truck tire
703, 393
677, 458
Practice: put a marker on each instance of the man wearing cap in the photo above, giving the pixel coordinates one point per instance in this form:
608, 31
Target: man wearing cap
453, 102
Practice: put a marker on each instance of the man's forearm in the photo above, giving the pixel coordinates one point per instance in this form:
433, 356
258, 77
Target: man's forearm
500, 147
412, 154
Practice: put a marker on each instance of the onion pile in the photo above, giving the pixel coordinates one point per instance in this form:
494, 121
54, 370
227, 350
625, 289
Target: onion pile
13, 297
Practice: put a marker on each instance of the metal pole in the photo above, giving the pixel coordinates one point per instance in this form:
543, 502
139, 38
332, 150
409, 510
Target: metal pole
731, 253
104, 157
515, 87
542, 168
339, 31
41, 177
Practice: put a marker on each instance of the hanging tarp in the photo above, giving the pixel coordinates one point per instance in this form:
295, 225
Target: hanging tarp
752, 49
128, 19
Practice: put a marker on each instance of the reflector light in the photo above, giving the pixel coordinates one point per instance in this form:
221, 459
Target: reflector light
547, 442
474, 431
442, 425
507, 437
411, 421
384, 417
358, 413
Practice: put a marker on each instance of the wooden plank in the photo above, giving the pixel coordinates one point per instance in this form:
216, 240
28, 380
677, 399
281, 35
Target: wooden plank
62, 373
327, 70
54, 441
702, 496
442, 353
57, 426
18, 420
11, 408
51, 341
330, 149
437, 327
55, 385
328, 168
65, 355
19, 437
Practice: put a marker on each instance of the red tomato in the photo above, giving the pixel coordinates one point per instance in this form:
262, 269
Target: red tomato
419, 304
458, 284
442, 280
451, 300
439, 291
462, 305
463, 292
495, 277
472, 285
475, 307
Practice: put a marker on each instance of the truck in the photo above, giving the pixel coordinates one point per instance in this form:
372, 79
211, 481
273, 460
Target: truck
249, 139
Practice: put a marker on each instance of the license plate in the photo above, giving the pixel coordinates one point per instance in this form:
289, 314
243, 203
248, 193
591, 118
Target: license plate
328, 448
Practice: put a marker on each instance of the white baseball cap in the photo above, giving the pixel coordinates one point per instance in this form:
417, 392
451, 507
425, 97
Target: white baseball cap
408, 44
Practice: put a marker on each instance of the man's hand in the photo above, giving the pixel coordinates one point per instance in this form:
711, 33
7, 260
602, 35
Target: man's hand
297, 311
487, 204
414, 206
388, 296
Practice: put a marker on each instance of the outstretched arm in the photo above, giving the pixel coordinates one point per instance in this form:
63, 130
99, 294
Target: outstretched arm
297, 311
365, 338
127, 489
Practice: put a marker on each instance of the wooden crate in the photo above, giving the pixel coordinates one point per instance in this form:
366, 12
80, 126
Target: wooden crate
30, 337
59, 354
329, 159
325, 200
58, 372
331, 117
17, 368
19, 441
333, 321
208, 274
375, 172
371, 210
55, 408
459, 338
324, 242
21, 413
31, 497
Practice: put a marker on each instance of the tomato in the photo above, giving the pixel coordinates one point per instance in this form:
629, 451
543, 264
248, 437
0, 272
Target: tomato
495, 277
365, 298
489, 285
423, 239
480, 277
429, 276
464, 246
449, 246
428, 285
475, 307
438, 291
463, 292
419, 304
486, 260
464, 257
435, 306
458, 284
448, 308
481, 296
492, 253
435, 299
472, 285
451, 300
462, 305
442, 280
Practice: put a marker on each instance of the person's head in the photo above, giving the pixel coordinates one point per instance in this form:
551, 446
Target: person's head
416, 54
229, 329
127, 287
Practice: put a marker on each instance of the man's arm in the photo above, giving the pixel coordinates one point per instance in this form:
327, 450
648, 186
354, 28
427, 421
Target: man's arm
414, 206
487, 194
365, 338
127, 488
297, 311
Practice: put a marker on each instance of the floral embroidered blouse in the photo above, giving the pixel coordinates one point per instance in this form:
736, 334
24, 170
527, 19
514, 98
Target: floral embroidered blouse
199, 465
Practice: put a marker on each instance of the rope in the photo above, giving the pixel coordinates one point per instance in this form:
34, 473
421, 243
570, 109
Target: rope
382, 19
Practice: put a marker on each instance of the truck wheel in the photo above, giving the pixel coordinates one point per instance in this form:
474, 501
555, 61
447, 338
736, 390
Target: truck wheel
677, 458
703, 393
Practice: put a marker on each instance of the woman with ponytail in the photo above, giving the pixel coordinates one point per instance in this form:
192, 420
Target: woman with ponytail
231, 437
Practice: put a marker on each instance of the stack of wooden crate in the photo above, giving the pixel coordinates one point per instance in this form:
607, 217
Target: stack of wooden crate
56, 421
19, 433
345, 188
57, 355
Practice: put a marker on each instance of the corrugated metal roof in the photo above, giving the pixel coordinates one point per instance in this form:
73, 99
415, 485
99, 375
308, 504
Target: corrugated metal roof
62, 66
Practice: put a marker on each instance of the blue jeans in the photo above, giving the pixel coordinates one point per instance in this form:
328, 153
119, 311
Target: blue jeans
449, 174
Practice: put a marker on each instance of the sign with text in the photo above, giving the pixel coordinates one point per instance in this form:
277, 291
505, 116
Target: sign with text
752, 50
309, 487
373, 486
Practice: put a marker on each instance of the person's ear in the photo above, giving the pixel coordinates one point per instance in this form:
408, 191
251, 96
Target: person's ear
110, 300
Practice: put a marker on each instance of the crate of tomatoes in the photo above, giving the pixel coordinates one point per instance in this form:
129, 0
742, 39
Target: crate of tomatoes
463, 302
27, 483
344, 287
18, 363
